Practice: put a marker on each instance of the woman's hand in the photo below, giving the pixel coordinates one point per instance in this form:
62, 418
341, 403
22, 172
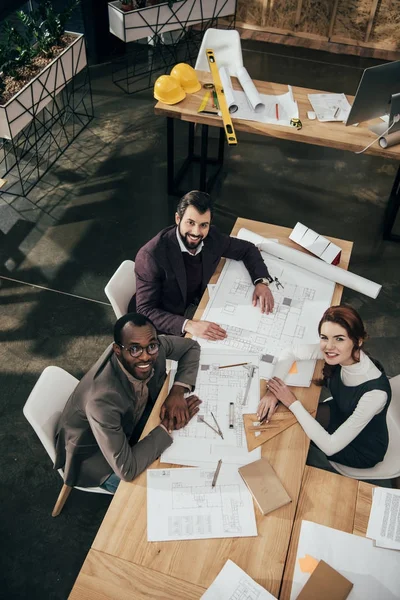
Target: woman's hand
281, 391
267, 407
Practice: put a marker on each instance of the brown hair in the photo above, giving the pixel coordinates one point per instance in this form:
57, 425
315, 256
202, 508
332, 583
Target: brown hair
345, 316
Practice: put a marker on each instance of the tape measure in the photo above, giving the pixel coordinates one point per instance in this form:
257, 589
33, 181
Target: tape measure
226, 117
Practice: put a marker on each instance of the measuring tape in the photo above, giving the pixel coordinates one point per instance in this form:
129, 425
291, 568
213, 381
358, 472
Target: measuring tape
226, 117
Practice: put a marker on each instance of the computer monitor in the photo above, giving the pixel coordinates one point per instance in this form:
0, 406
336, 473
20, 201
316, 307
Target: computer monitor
374, 94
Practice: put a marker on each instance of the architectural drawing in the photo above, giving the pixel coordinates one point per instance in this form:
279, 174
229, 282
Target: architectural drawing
232, 583
217, 388
182, 504
299, 305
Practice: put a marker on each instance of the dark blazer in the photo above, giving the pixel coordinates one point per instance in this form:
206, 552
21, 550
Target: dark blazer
99, 418
161, 276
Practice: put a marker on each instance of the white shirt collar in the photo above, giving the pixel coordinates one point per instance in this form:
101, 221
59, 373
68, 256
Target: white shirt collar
183, 247
364, 370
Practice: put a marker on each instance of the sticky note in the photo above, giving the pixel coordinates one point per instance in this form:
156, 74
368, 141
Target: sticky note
308, 563
293, 369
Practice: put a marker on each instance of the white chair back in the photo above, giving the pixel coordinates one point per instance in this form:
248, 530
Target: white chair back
46, 403
121, 287
227, 50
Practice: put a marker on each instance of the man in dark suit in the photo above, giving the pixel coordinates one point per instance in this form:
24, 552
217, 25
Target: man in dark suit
97, 437
173, 269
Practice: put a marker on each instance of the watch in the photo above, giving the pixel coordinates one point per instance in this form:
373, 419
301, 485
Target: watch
263, 280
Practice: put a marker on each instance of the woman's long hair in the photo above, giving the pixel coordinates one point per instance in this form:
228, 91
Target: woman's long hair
345, 316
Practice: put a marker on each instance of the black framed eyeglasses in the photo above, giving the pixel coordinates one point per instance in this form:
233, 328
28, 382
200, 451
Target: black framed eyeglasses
135, 351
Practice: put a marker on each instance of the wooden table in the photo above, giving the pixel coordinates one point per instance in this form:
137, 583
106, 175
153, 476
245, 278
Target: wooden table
123, 533
331, 500
331, 134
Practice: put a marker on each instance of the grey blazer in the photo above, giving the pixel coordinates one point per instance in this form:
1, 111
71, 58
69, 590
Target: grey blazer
92, 439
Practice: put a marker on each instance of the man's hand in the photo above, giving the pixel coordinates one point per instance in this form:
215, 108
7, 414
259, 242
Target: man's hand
267, 407
263, 294
281, 391
175, 408
192, 404
206, 330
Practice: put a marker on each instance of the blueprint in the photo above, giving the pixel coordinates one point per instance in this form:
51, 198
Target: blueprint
299, 306
232, 583
183, 505
218, 388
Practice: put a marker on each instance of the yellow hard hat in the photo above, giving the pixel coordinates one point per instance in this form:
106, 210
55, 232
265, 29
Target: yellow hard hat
186, 76
168, 90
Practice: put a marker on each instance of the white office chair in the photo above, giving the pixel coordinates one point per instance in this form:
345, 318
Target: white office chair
389, 468
227, 50
43, 410
121, 287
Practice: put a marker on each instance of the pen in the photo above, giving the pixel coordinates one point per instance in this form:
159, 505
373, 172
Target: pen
231, 366
336, 112
231, 414
277, 111
217, 470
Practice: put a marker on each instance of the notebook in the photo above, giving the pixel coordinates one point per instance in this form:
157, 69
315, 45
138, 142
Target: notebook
327, 583
264, 485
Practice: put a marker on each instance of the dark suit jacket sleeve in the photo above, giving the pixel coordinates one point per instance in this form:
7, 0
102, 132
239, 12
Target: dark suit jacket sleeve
187, 353
248, 253
148, 295
126, 461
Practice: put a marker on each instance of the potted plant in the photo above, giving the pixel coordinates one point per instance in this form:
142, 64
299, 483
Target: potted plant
36, 64
162, 17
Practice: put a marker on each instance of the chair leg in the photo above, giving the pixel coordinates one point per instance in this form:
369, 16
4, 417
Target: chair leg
61, 500
396, 483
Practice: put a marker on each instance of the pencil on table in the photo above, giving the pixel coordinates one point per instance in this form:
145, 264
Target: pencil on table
236, 365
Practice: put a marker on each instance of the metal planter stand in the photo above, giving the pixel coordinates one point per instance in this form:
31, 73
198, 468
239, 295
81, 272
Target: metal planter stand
172, 37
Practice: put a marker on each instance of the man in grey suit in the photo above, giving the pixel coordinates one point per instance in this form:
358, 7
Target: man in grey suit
97, 437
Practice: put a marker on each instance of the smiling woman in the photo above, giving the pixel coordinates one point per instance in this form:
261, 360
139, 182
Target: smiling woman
350, 428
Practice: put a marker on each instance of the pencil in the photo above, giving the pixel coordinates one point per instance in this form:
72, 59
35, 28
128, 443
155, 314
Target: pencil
277, 111
217, 470
231, 366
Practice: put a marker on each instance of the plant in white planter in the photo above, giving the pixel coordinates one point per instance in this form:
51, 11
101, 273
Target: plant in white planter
36, 64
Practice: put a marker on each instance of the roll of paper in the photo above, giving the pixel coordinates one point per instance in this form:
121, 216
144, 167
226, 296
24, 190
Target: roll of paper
390, 140
250, 90
312, 264
228, 90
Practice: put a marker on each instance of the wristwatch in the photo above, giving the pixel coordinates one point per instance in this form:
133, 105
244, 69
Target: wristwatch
263, 280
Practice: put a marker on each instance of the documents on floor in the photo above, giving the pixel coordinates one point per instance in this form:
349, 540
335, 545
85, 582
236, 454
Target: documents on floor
217, 388
374, 572
384, 519
232, 583
299, 306
183, 505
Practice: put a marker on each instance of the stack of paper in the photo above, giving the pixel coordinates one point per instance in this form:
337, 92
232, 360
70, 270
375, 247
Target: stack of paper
330, 107
384, 519
232, 583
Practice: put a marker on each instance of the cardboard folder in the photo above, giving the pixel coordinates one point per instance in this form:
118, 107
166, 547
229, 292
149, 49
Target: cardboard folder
264, 485
325, 583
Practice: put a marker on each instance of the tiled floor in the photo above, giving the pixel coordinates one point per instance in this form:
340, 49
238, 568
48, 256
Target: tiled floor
103, 199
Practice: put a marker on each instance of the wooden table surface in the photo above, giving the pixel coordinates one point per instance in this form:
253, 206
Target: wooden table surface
123, 533
331, 134
330, 500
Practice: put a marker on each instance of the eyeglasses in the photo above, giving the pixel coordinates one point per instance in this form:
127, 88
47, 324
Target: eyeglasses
136, 351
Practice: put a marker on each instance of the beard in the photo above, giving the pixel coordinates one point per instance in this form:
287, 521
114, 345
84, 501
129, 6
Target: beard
188, 243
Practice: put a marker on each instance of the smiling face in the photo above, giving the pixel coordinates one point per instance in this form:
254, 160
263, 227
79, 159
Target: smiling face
133, 337
336, 345
193, 227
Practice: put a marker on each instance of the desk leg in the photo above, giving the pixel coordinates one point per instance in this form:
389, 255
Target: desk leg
392, 209
170, 156
203, 158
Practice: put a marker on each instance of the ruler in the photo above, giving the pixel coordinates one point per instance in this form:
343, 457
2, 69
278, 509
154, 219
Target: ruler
226, 117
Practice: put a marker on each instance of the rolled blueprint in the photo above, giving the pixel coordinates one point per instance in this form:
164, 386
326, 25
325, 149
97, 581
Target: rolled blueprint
315, 265
250, 90
228, 90
390, 140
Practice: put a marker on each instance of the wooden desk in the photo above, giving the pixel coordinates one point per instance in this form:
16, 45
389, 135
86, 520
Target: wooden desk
330, 500
196, 563
331, 134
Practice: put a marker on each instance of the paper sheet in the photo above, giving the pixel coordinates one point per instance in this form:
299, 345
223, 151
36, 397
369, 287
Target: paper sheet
232, 583
252, 95
297, 311
228, 90
314, 265
330, 107
287, 108
182, 504
384, 519
217, 388
374, 572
